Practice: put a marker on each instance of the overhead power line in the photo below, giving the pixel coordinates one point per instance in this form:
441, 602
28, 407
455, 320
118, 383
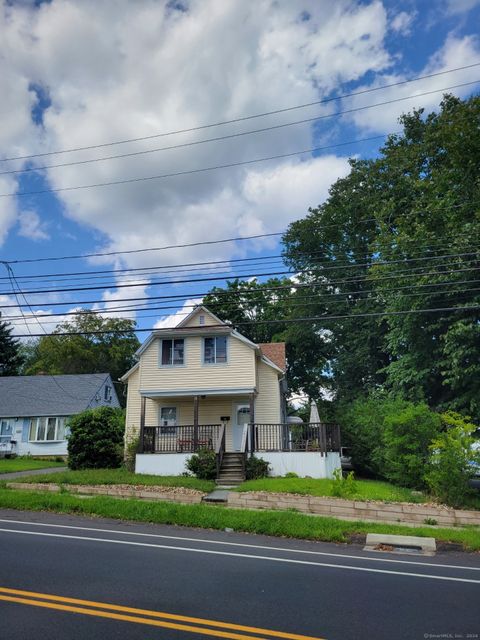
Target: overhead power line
279, 320
313, 269
410, 273
229, 165
317, 299
221, 241
244, 118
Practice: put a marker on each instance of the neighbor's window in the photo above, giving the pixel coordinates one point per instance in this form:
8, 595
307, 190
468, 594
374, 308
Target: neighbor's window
6, 430
173, 352
47, 429
108, 393
215, 350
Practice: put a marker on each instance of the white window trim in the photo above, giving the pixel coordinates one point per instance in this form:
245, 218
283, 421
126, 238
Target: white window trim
173, 427
160, 351
47, 418
227, 349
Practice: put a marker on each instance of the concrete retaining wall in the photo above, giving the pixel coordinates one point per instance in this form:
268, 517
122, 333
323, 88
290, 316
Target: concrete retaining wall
163, 494
161, 464
303, 463
392, 512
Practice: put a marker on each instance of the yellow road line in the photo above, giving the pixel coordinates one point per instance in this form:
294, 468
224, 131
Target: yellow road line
144, 612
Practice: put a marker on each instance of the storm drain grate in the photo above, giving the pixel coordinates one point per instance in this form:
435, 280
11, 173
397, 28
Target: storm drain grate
400, 544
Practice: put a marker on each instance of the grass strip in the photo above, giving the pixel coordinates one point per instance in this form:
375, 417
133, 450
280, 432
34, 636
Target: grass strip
287, 524
122, 476
11, 465
364, 489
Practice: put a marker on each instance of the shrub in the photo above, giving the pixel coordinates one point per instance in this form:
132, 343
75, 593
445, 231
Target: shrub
96, 439
406, 442
343, 487
362, 424
203, 464
256, 468
291, 474
451, 465
130, 453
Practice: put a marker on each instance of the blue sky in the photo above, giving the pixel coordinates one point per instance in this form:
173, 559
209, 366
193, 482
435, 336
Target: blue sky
145, 68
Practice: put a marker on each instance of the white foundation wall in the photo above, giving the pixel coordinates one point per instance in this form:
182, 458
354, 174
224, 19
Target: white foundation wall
42, 449
165, 464
303, 463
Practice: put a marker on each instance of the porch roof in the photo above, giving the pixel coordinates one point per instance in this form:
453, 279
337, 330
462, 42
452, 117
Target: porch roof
189, 393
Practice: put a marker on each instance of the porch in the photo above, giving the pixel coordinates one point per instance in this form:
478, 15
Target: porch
308, 449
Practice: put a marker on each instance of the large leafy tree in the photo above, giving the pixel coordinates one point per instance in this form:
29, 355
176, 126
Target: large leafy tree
399, 234
253, 307
10, 355
263, 312
96, 345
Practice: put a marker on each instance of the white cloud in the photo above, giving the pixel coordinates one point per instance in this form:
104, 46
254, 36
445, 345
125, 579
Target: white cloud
402, 22
31, 226
142, 68
173, 319
454, 7
456, 52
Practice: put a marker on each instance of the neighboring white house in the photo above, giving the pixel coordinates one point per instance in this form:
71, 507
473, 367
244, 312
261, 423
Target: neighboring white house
204, 385
34, 410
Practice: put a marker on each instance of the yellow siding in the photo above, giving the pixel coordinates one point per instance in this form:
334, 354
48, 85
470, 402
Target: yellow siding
132, 422
195, 320
239, 372
267, 403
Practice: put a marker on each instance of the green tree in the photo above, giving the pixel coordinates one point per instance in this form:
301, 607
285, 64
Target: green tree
96, 439
399, 234
110, 352
10, 355
407, 437
453, 461
247, 304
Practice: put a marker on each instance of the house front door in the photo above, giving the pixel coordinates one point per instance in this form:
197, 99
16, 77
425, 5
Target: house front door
242, 418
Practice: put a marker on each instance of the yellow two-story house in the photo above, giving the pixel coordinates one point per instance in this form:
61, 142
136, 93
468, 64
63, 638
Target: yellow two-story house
203, 385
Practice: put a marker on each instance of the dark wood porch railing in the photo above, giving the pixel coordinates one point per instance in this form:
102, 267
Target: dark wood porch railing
220, 449
181, 439
310, 436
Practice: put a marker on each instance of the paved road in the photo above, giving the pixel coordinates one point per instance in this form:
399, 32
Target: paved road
196, 584
32, 472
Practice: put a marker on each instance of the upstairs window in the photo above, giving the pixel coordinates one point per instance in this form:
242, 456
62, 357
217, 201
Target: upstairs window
172, 352
215, 350
108, 393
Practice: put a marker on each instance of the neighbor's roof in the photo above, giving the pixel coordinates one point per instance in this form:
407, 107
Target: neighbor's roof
45, 395
275, 351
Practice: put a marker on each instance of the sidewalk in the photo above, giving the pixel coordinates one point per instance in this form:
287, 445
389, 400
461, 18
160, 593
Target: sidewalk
31, 472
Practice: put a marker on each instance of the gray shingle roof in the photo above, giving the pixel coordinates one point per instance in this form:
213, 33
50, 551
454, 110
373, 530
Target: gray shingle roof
45, 395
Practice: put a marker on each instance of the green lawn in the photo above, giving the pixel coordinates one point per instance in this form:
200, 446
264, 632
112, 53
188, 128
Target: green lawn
365, 489
9, 465
121, 476
274, 523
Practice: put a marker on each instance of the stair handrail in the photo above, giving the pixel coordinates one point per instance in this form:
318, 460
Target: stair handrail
220, 449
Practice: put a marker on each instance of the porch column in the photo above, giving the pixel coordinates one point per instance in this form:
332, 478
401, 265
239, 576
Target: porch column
252, 422
195, 423
142, 425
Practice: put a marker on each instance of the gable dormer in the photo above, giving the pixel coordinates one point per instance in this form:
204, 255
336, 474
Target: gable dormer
201, 317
